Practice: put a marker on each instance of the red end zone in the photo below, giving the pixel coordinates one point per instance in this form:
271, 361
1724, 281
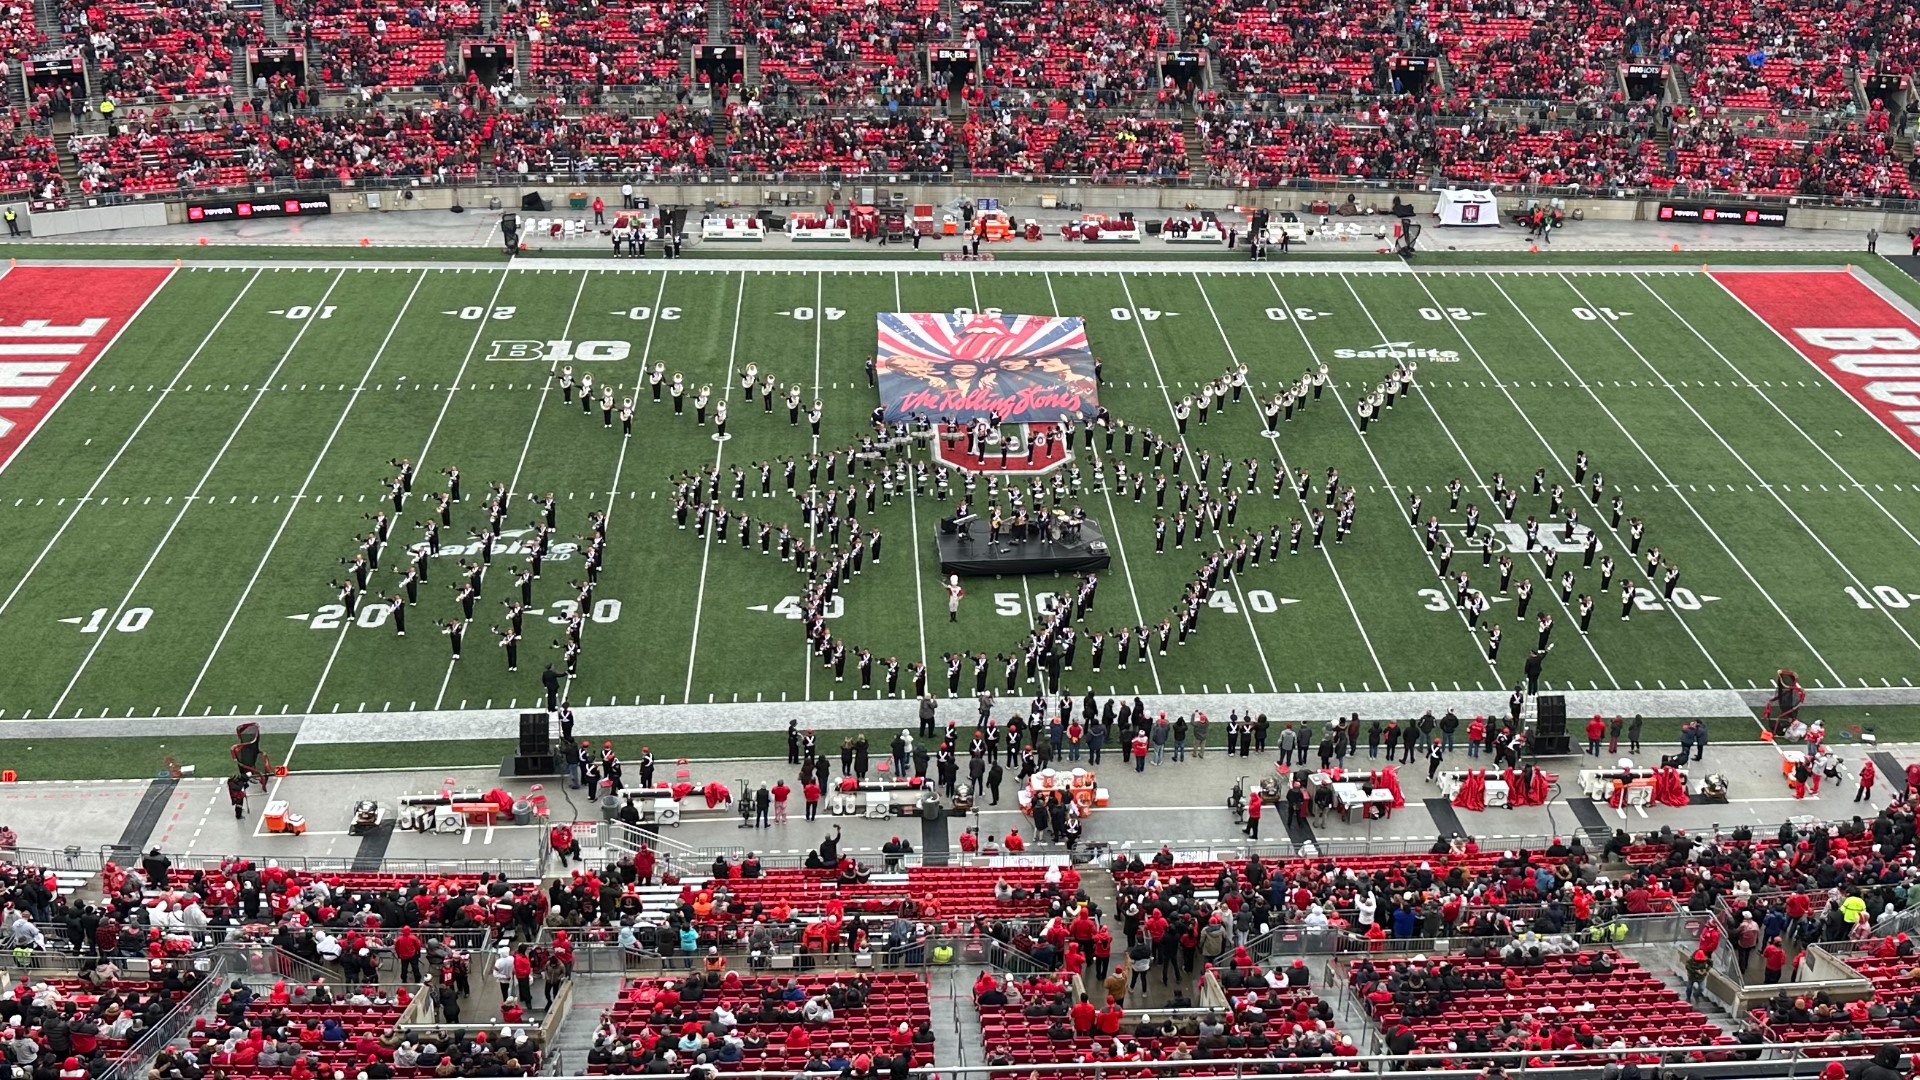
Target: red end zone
54, 323
1865, 345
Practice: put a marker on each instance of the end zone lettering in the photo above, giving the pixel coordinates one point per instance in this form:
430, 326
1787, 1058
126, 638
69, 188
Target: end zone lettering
1864, 345
54, 323
234, 209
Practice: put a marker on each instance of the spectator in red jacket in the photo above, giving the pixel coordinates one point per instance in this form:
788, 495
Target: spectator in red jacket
407, 949
1084, 1015
1596, 731
1775, 959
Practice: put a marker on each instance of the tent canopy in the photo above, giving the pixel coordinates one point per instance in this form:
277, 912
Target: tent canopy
1469, 208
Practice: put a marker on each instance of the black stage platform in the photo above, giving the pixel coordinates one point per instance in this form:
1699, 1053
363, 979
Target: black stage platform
977, 558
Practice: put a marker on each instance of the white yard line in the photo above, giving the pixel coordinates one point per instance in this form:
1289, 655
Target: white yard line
706, 547
1548, 586
1282, 458
158, 400
1480, 481
620, 463
419, 468
513, 484
1768, 398
819, 325
1119, 545
1737, 456
1765, 593
300, 496
104, 350
187, 505
807, 659
913, 509
546, 388
1245, 610
1026, 589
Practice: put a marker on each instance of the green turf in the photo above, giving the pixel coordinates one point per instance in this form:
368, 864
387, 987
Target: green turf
238, 566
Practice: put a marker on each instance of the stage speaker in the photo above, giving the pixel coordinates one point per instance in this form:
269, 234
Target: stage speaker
536, 734
1551, 713
1551, 745
532, 201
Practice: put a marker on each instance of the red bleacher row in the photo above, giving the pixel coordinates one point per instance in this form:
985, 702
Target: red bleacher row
1895, 978
165, 149
351, 894
958, 893
1766, 56
1553, 1007
642, 1018
1016, 1039
91, 1003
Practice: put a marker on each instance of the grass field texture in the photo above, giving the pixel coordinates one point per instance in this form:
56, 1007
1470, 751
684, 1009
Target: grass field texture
211, 470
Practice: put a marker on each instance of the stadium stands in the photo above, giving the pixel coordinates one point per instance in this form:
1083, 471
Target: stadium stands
778, 1022
1545, 1003
164, 51
1038, 1025
1768, 101
28, 162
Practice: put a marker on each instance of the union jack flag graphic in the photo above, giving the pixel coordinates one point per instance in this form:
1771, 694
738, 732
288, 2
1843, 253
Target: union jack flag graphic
1012, 368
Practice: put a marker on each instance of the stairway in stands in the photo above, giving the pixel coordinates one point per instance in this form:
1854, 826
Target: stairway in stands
69, 165
46, 18
593, 994
719, 21
273, 22
1177, 20
1196, 146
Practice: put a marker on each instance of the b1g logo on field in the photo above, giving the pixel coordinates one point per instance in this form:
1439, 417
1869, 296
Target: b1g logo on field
562, 352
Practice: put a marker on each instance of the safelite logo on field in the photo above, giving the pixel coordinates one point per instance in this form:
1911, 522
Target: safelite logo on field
1398, 350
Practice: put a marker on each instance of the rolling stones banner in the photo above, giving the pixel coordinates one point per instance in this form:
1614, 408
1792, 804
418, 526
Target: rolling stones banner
1012, 368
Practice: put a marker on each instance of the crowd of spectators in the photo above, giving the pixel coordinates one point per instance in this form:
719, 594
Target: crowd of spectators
1298, 46
72, 1026
839, 51
1064, 139
164, 51
597, 43
1098, 55
1305, 92
371, 43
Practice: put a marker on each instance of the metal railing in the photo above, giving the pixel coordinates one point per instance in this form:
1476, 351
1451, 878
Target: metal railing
93, 860
217, 968
1763, 1060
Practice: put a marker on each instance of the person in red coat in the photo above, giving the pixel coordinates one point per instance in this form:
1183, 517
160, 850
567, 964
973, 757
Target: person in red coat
1596, 731
1865, 794
1083, 1015
406, 948
1254, 804
1774, 958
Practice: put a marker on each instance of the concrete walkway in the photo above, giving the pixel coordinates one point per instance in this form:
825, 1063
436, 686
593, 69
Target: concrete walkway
868, 714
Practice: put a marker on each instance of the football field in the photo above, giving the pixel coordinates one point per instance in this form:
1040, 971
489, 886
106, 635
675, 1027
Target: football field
221, 435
